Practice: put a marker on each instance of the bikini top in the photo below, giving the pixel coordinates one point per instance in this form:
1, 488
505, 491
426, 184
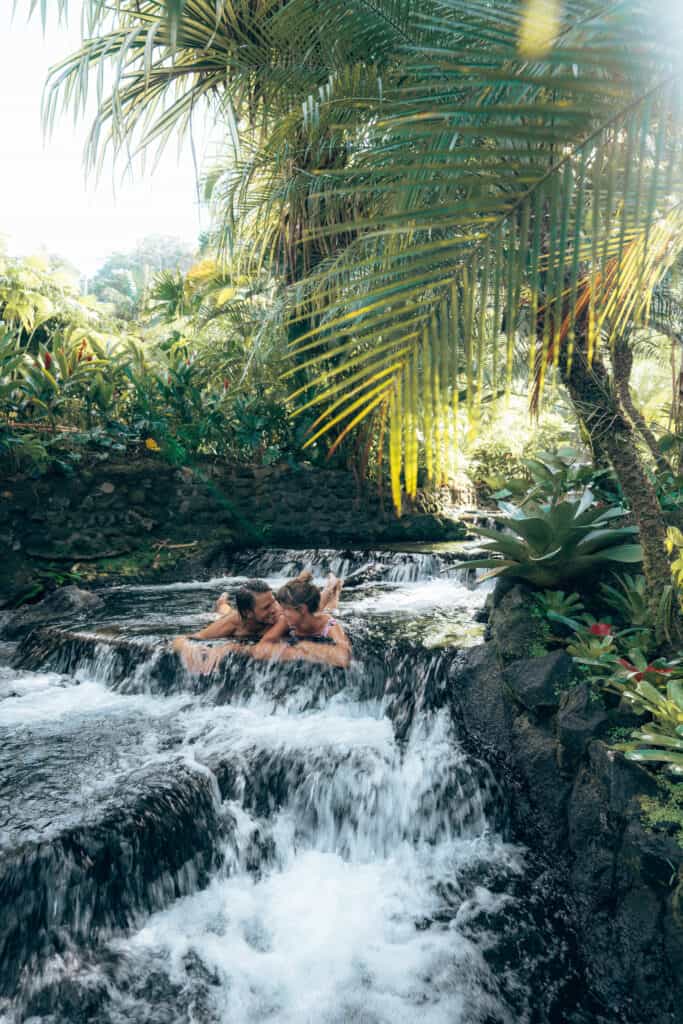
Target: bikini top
316, 637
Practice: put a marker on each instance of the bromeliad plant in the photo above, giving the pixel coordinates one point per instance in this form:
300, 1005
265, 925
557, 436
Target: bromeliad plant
593, 647
629, 598
558, 606
564, 472
548, 545
659, 741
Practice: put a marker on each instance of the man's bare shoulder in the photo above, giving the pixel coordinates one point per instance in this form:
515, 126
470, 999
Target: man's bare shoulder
227, 625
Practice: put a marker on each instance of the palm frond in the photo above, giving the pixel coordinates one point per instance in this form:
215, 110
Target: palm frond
497, 186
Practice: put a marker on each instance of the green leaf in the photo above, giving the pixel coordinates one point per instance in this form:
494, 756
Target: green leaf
624, 553
656, 755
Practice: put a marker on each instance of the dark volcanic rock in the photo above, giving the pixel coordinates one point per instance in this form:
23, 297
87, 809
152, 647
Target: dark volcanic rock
65, 603
514, 628
536, 682
157, 841
579, 720
579, 802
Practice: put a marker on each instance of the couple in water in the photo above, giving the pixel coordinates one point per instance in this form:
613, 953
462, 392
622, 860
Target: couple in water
295, 624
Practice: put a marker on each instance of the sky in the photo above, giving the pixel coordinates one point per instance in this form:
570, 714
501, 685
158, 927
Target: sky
46, 203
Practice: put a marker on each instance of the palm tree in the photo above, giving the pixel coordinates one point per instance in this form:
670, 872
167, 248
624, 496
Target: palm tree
449, 180
508, 196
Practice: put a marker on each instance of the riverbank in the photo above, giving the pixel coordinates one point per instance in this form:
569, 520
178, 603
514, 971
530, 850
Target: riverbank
584, 806
142, 518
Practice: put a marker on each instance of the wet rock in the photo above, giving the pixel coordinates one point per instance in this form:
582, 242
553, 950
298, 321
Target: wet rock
579, 720
67, 602
625, 878
158, 841
580, 802
514, 628
537, 683
116, 660
366, 573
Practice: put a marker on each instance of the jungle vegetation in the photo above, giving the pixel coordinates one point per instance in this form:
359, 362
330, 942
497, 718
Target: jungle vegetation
443, 196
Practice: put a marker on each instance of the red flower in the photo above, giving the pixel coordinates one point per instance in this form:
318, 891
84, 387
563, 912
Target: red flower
648, 668
226, 384
48, 360
600, 629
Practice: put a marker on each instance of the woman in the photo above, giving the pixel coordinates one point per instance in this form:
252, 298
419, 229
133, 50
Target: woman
304, 624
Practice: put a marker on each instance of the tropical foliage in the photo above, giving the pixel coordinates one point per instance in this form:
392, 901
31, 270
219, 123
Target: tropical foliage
453, 194
661, 740
547, 545
190, 378
433, 202
124, 280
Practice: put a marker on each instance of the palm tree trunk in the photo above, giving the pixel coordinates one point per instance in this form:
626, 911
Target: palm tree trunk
613, 437
623, 363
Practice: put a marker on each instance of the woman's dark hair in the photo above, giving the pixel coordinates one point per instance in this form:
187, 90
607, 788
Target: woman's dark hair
244, 598
300, 592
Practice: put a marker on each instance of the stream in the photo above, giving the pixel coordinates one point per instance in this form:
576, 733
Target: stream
272, 843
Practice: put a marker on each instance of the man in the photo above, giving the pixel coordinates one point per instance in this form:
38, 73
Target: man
255, 612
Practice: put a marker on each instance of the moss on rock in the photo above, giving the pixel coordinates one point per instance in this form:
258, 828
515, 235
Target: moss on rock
664, 812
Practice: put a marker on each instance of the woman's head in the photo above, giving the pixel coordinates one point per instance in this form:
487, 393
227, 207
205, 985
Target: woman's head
298, 600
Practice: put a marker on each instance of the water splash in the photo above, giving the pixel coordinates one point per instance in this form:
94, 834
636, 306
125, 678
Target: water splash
280, 844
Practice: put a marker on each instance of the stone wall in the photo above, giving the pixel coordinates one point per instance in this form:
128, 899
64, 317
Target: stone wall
112, 515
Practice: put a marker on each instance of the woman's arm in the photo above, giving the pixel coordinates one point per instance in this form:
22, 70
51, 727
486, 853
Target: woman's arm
276, 632
321, 654
337, 654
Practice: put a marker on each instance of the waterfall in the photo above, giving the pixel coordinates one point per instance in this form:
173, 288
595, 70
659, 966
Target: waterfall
268, 843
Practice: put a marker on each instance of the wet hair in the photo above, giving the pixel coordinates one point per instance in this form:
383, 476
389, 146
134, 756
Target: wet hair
298, 592
244, 598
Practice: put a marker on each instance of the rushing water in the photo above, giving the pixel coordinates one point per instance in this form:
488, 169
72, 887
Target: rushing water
287, 844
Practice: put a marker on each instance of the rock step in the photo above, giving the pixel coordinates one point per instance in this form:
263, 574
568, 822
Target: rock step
158, 842
131, 665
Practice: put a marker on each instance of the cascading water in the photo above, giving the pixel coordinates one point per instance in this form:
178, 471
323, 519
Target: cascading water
285, 844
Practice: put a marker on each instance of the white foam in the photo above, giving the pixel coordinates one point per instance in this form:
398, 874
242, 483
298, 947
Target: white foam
48, 697
323, 940
422, 595
346, 923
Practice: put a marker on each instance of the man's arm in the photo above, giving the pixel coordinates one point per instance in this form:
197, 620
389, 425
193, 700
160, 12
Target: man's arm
225, 626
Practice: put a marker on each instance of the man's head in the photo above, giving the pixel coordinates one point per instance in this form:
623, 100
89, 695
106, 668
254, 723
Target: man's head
256, 603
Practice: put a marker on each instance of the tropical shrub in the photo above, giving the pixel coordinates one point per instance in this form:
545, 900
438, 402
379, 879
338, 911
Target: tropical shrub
548, 545
669, 489
593, 648
494, 466
558, 606
567, 471
660, 741
629, 597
